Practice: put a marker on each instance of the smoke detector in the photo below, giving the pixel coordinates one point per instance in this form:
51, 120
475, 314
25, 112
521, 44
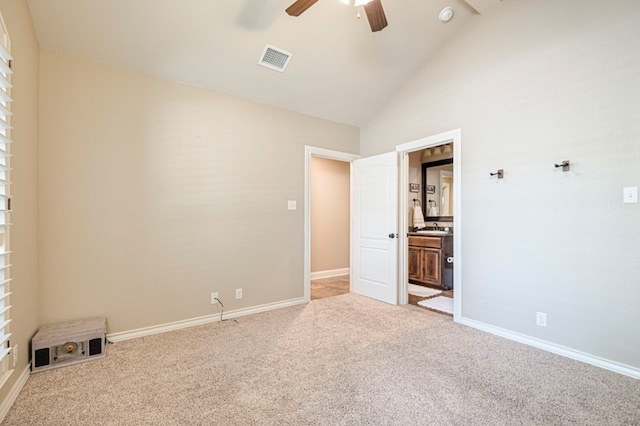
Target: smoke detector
446, 14
274, 58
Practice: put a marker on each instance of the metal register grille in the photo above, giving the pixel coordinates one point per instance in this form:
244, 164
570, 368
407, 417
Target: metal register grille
274, 58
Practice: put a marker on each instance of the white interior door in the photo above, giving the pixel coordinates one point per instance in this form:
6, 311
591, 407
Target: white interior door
374, 227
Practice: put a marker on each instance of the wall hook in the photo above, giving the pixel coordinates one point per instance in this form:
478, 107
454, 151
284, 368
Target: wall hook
565, 165
499, 173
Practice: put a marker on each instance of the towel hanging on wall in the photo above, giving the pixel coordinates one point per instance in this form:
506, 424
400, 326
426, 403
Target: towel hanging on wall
418, 217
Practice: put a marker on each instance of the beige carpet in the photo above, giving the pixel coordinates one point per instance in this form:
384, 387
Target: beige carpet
344, 360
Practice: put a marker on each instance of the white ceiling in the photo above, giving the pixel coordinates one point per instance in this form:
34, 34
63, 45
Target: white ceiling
340, 70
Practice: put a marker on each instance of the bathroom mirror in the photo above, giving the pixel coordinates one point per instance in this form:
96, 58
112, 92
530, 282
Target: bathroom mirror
437, 190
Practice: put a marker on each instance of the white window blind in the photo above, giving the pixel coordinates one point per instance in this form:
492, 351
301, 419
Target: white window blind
5, 195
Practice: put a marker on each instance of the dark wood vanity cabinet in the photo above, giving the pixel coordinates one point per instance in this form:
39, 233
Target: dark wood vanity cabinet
415, 263
424, 265
426, 259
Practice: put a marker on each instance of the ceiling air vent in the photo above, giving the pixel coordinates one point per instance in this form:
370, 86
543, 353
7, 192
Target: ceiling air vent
274, 58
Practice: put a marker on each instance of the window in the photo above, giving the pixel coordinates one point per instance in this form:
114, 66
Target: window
5, 200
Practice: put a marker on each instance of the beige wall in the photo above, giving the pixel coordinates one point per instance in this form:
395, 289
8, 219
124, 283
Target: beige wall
330, 200
154, 194
24, 233
415, 176
532, 83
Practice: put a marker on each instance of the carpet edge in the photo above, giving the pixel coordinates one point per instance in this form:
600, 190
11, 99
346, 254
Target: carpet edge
14, 392
192, 322
616, 367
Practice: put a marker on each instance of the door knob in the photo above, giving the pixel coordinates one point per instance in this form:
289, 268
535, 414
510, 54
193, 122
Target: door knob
392, 235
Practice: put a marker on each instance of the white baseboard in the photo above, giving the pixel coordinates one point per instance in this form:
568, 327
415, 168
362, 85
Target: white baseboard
330, 273
554, 348
14, 392
177, 325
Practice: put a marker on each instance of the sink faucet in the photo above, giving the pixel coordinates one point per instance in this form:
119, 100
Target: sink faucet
435, 225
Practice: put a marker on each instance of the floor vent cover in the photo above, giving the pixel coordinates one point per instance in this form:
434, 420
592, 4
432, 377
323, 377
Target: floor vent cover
274, 58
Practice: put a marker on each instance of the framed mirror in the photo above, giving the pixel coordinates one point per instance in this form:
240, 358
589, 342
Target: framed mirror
437, 190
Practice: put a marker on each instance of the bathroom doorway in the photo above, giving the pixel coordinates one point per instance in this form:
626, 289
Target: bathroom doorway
430, 241
436, 249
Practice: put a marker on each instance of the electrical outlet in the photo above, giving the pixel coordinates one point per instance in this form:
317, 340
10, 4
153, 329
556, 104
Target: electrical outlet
15, 355
541, 319
214, 296
238, 293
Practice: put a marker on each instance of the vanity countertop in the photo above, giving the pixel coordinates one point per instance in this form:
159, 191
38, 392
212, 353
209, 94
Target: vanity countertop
423, 234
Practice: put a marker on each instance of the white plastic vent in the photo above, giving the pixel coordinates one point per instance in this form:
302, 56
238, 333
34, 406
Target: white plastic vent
274, 58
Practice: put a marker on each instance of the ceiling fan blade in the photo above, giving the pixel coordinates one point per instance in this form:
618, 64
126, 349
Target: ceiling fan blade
300, 6
375, 15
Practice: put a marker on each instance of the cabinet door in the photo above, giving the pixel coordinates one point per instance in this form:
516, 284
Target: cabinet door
415, 263
431, 266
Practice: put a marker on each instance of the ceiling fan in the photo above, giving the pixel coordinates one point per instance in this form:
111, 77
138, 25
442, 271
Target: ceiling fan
372, 8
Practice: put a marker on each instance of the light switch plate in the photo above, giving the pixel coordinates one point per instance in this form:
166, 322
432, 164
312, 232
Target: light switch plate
292, 205
630, 194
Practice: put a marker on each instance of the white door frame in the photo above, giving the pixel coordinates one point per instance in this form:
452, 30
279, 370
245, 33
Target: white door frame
454, 136
311, 151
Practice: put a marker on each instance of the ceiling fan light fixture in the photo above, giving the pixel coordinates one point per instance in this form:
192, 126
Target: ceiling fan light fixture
372, 8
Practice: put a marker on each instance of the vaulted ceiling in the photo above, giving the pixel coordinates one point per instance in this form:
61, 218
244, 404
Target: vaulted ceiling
339, 70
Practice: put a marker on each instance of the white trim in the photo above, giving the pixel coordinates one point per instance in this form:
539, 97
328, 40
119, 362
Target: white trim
454, 136
403, 241
311, 151
329, 273
554, 348
178, 325
14, 392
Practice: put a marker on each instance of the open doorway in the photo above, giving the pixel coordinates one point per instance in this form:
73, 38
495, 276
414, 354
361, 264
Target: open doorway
435, 247
430, 234
327, 222
330, 186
